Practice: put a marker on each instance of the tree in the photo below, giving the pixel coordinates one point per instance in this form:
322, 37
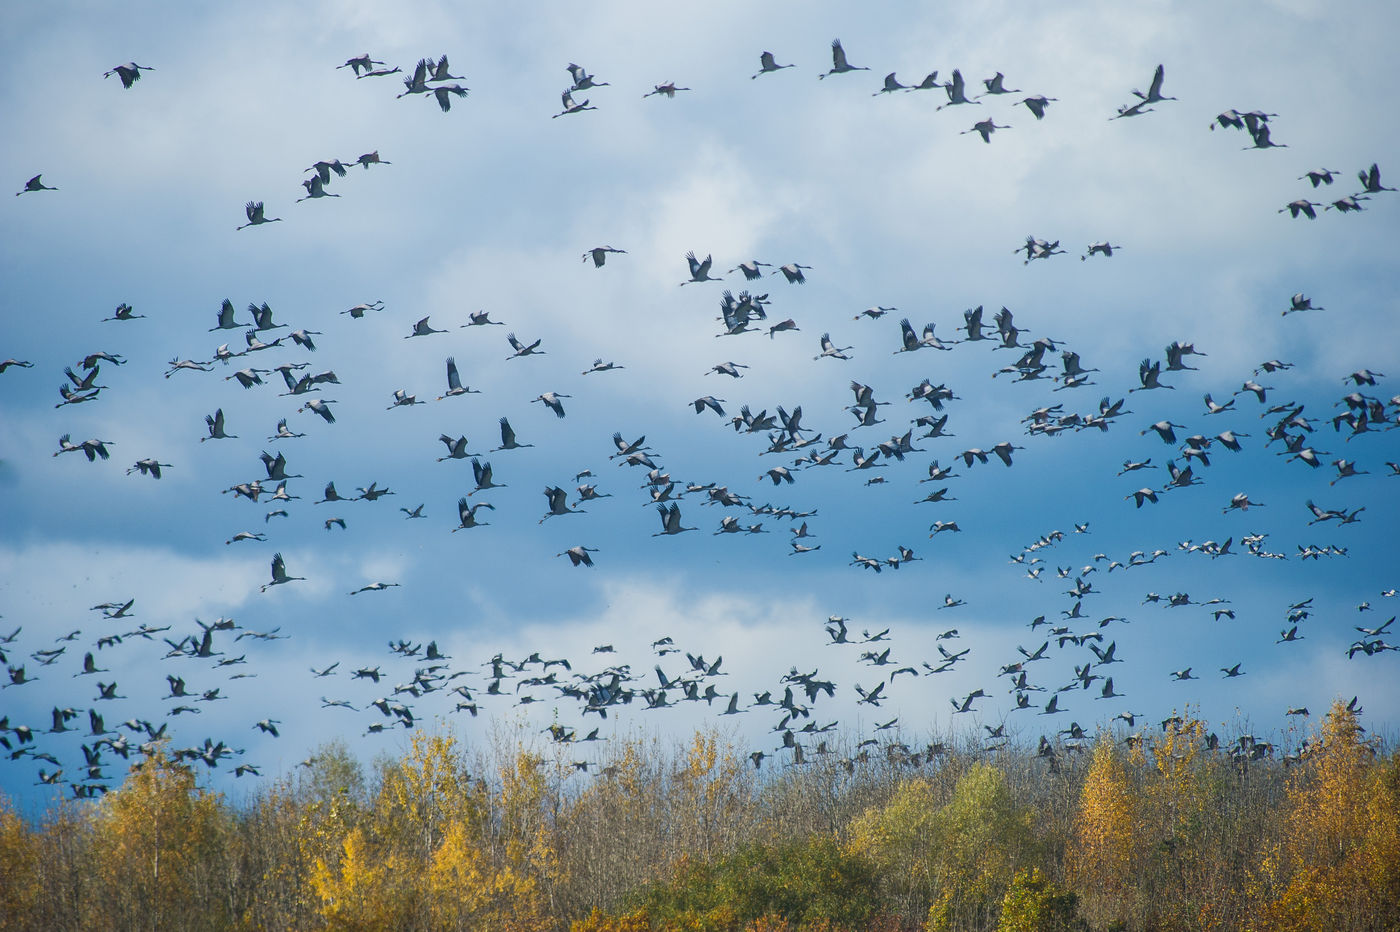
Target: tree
954, 862
900, 839
1101, 862
20, 865
1337, 865
160, 852
983, 838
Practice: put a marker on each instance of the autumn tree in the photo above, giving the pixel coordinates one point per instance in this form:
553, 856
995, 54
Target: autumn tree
612, 832
984, 836
160, 857
372, 866
900, 839
20, 866
436, 849
1101, 860
1337, 866
958, 859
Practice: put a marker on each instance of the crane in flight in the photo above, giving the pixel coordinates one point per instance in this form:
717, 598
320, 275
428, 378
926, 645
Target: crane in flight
670, 520
666, 90
599, 255
1371, 180
454, 382
360, 63
315, 187
957, 91
1154, 90
891, 85
279, 573
985, 128
699, 271
256, 215
129, 73
767, 64
444, 93
839, 65
35, 184
567, 98
579, 556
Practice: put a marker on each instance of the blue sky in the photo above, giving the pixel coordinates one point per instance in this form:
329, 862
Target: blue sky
490, 206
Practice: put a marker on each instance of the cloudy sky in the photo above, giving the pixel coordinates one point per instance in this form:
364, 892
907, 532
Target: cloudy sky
490, 206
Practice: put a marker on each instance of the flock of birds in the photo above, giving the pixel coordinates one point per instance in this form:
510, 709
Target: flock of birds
206, 659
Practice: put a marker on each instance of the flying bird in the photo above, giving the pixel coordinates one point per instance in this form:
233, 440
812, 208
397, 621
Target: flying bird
256, 215
839, 65
35, 184
279, 573
767, 64
666, 90
1154, 90
579, 556
129, 73
984, 128
359, 64
699, 271
599, 255
570, 106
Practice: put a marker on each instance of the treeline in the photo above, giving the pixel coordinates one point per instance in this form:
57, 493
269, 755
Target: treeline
1163, 831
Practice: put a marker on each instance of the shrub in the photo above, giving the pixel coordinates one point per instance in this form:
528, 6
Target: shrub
1034, 904
799, 883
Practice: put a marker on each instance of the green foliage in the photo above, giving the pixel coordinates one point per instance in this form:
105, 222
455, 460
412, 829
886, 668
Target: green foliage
1034, 904
953, 862
983, 835
333, 772
799, 882
901, 839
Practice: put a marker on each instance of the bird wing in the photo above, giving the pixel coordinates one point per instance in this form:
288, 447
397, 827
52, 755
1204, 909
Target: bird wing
1156, 89
838, 55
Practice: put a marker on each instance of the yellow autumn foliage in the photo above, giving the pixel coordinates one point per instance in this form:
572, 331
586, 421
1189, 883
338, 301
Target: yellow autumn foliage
20, 866
1101, 862
899, 838
715, 785
1176, 797
954, 861
159, 851
429, 853
1338, 862
363, 891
